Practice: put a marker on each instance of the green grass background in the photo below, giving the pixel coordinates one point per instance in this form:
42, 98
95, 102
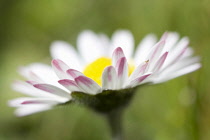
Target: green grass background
176, 110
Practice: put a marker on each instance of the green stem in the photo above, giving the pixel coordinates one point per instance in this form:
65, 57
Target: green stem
114, 120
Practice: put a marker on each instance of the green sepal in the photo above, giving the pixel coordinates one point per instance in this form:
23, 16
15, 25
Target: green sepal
106, 101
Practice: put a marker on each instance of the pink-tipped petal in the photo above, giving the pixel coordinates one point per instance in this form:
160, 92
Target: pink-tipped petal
160, 62
154, 54
139, 70
39, 101
156, 51
32, 82
179, 56
29, 89
164, 36
88, 85
74, 73
18, 101
122, 72
139, 80
32, 102
175, 58
109, 78
25, 88
60, 68
53, 89
121, 66
178, 49
69, 84
117, 55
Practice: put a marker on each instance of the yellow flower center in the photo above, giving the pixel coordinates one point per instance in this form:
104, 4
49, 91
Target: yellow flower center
95, 69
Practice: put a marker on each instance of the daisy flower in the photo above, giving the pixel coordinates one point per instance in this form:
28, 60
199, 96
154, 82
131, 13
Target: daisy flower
104, 73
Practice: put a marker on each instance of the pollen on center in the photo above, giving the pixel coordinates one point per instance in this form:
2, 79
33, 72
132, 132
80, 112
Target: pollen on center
95, 69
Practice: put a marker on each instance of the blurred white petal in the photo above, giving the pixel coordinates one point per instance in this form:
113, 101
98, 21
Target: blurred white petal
123, 39
65, 52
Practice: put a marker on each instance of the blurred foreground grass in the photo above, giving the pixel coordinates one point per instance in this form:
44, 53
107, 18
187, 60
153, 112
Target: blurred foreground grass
176, 110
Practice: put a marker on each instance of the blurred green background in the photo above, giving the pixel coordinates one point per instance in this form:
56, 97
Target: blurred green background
176, 110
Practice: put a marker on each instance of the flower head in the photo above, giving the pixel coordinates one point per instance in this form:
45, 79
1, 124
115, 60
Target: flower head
103, 73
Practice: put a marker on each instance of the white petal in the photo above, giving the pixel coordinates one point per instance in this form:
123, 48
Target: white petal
24, 101
143, 48
23, 87
30, 90
37, 71
44, 72
88, 85
29, 74
181, 64
189, 52
18, 101
60, 68
171, 40
175, 68
109, 78
139, 80
186, 70
184, 42
178, 73
54, 90
123, 39
65, 52
31, 109
91, 46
